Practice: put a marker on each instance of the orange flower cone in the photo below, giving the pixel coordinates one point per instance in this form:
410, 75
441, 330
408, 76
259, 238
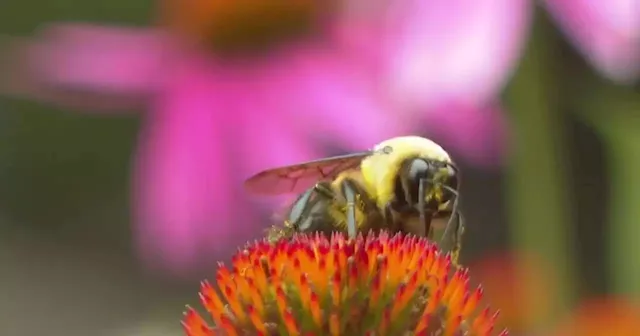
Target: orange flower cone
315, 285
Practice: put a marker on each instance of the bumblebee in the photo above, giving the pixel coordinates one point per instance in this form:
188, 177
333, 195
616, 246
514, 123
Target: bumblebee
407, 184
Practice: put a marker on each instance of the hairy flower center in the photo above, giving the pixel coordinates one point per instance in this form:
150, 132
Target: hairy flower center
232, 26
313, 285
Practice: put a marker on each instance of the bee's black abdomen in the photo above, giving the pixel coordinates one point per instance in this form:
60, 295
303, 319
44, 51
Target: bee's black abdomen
309, 211
325, 209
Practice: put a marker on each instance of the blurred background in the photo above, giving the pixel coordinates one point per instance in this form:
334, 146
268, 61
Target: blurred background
127, 128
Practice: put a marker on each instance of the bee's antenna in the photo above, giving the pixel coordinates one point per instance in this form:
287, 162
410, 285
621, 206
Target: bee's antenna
453, 166
421, 208
451, 190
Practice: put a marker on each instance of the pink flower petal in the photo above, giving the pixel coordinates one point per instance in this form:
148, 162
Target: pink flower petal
478, 134
181, 191
268, 138
442, 50
76, 63
268, 141
606, 31
263, 137
331, 95
358, 29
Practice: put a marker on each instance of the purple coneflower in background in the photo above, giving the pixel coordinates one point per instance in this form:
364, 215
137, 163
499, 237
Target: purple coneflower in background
449, 59
236, 86
607, 32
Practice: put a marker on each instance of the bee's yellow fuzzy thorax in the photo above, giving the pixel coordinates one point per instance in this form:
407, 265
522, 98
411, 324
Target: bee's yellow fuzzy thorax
380, 170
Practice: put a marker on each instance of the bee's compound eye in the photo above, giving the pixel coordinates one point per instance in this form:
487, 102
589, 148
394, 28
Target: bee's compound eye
419, 169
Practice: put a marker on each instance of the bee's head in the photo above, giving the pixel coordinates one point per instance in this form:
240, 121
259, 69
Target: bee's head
439, 184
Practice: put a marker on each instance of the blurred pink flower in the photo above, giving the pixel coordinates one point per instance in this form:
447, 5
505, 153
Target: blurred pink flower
606, 31
214, 119
445, 61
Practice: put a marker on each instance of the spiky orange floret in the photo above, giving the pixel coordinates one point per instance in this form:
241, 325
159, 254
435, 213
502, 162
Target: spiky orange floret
314, 285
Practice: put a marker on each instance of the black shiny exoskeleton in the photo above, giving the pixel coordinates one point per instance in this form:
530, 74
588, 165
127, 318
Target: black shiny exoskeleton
328, 207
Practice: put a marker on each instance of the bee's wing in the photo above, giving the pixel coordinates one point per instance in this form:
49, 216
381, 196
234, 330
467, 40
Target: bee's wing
299, 177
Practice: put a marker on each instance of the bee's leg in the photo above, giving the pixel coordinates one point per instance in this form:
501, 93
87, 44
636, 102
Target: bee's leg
451, 240
389, 221
452, 235
300, 216
300, 209
324, 189
425, 218
372, 216
350, 191
457, 238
